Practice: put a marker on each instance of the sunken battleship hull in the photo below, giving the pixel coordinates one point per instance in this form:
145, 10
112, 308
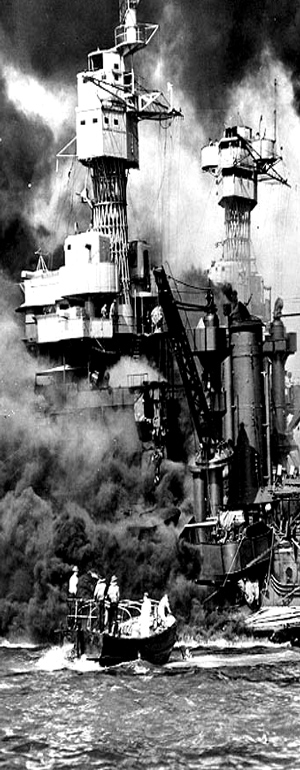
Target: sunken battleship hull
226, 554
227, 561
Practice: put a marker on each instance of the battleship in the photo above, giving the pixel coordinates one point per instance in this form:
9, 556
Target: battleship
113, 298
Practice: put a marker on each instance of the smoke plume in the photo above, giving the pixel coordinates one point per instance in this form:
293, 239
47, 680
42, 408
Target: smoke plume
74, 490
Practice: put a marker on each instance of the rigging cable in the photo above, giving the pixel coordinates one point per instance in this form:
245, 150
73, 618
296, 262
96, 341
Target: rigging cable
177, 195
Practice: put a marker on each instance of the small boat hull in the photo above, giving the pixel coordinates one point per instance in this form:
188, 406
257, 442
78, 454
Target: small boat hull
155, 648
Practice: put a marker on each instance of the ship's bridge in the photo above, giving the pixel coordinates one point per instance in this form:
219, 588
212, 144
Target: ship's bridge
230, 151
108, 64
233, 147
245, 132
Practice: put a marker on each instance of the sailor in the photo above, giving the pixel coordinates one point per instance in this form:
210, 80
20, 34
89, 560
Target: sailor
94, 379
113, 595
163, 608
113, 312
79, 639
104, 311
145, 616
252, 592
99, 596
73, 582
239, 311
73, 601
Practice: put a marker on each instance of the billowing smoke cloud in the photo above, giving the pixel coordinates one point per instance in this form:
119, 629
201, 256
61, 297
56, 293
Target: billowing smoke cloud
216, 43
76, 489
51, 38
25, 151
39, 49
213, 43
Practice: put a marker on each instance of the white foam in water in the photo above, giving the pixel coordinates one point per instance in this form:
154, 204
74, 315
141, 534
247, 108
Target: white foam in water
23, 645
61, 657
83, 665
56, 658
242, 644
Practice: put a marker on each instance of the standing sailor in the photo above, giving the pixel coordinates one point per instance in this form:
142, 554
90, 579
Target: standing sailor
113, 595
145, 617
99, 596
73, 582
73, 585
163, 609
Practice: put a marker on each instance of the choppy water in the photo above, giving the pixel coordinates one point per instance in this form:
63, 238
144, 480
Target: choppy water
222, 708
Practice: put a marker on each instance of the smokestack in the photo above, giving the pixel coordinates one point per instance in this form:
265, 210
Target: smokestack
248, 405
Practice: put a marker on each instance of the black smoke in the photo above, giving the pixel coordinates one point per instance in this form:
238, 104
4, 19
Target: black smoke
26, 153
75, 489
77, 492
53, 37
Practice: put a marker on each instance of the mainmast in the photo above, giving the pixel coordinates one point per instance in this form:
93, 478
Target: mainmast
238, 161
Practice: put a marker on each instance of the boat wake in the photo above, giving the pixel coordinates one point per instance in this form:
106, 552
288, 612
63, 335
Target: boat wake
59, 658
56, 658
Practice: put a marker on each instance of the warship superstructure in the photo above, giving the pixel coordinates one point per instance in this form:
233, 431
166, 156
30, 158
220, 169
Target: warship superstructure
99, 302
246, 491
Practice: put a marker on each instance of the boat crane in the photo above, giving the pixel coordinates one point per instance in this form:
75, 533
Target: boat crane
188, 370
213, 454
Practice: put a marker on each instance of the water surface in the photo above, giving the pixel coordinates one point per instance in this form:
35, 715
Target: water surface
232, 707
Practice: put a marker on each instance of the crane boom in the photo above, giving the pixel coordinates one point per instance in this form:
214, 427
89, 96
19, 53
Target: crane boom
191, 379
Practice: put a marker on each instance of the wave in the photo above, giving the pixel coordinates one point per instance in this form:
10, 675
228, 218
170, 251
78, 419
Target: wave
18, 645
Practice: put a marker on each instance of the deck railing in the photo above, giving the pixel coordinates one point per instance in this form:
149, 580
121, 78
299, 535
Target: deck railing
86, 611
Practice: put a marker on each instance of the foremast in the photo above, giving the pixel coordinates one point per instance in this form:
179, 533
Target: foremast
103, 295
110, 104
